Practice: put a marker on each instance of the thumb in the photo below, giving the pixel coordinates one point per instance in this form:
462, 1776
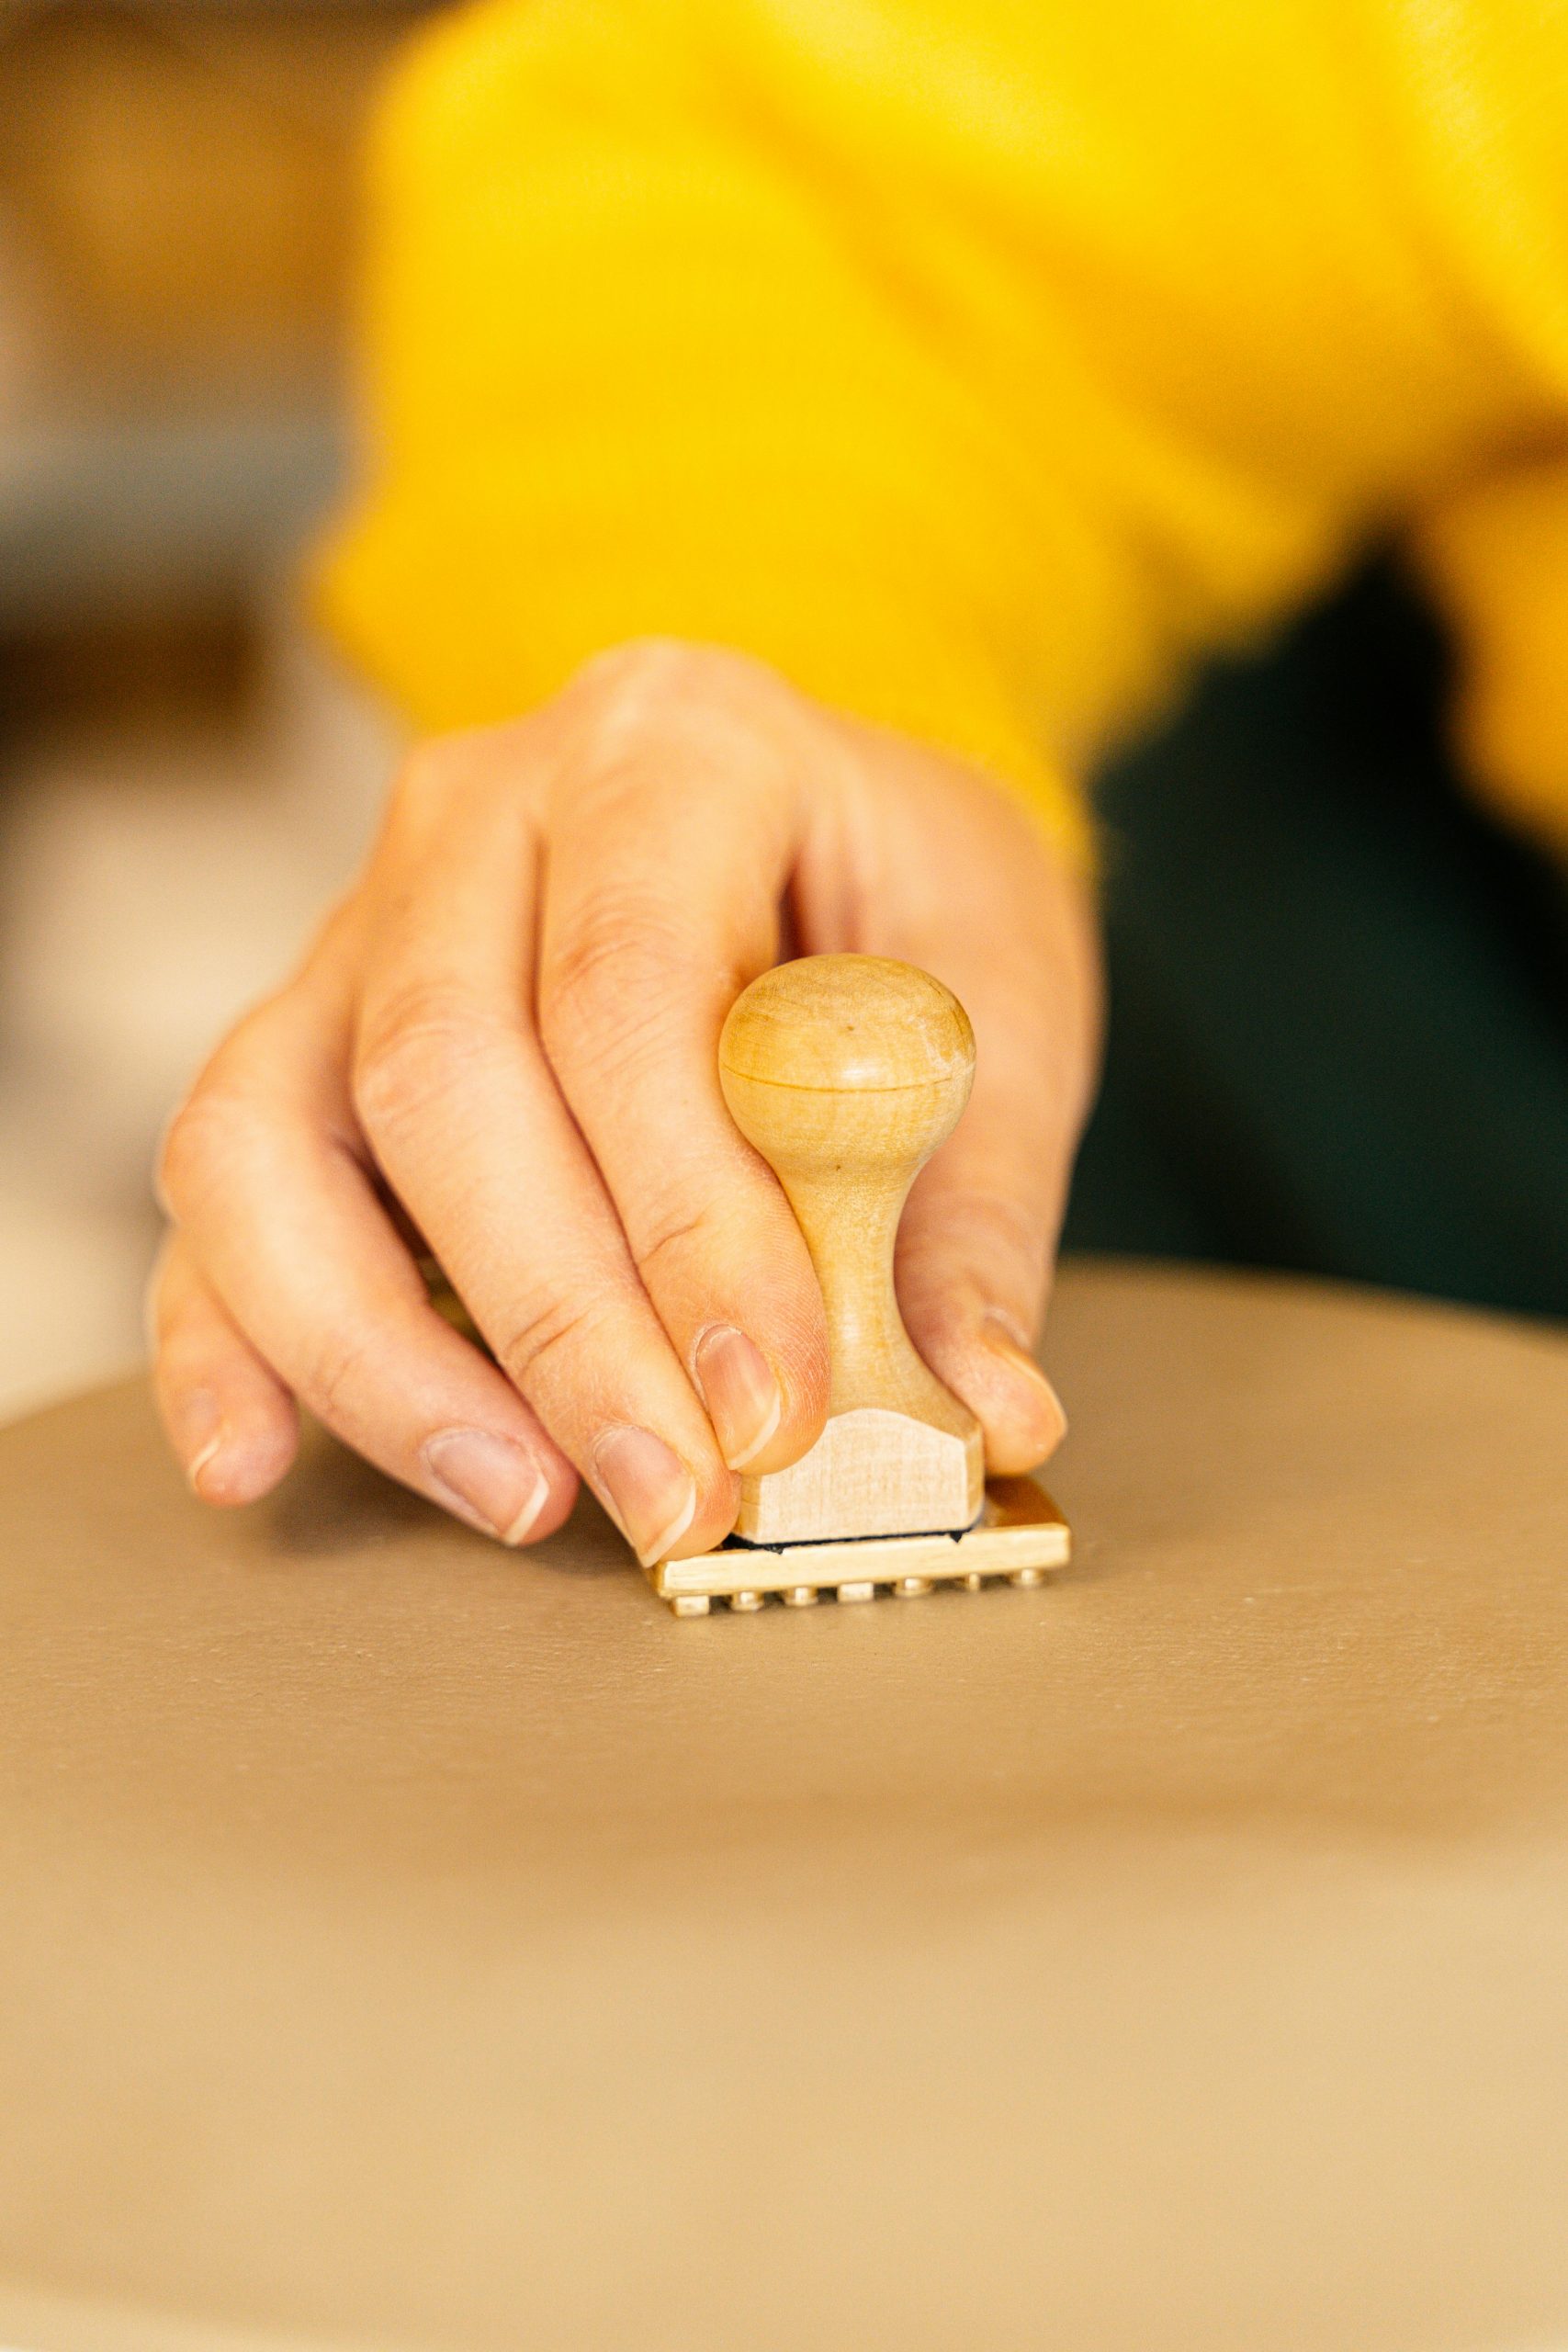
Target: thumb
976, 1249
928, 860
975, 1253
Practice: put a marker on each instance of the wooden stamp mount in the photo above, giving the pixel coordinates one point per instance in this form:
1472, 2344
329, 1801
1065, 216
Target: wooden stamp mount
1020, 1535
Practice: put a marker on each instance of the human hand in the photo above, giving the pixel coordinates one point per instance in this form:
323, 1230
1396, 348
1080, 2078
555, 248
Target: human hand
501, 1050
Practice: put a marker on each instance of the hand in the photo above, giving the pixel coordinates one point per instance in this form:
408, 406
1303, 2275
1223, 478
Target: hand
501, 1050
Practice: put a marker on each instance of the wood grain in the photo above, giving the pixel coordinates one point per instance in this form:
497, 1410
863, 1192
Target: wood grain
846, 1072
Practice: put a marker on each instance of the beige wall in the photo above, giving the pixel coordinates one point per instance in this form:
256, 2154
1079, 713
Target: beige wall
183, 779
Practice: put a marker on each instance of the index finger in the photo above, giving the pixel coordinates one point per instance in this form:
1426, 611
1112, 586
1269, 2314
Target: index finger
667, 868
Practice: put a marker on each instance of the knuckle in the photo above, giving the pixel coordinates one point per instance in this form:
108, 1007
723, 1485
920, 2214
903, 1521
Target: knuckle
429, 773
668, 1235
417, 1046
437, 777
549, 1324
630, 704
644, 670
217, 1125
614, 984
340, 1360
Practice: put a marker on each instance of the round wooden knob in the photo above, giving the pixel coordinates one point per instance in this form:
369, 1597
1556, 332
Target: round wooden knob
846, 1072
850, 1024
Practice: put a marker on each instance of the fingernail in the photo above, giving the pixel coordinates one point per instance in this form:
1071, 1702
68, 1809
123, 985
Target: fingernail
202, 1433
739, 1391
493, 1482
1002, 1337
650, 1489
204, 1460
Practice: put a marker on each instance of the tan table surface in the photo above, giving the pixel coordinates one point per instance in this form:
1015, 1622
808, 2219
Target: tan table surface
408, 1944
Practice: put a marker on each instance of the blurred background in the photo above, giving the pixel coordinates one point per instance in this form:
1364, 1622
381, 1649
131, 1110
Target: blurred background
185, 778
1337, 984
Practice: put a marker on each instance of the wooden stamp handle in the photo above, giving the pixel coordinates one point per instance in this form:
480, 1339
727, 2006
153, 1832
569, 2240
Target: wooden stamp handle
846, 1072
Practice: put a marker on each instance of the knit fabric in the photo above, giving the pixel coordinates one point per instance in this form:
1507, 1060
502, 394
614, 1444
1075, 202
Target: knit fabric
976, 362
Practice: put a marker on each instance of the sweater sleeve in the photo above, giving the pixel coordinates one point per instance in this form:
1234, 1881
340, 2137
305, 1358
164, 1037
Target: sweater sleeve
976, 362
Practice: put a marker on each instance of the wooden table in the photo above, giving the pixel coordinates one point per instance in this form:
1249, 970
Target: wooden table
408, 1944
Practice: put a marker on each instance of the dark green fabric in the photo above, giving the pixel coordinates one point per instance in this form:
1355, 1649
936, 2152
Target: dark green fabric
1339, 992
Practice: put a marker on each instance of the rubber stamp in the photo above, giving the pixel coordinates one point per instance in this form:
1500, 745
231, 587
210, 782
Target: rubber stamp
846, 1072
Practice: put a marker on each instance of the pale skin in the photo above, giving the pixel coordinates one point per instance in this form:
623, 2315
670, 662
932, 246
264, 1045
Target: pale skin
501, 1051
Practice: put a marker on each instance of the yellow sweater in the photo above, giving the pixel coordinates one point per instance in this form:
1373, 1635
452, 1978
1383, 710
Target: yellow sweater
978, 362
